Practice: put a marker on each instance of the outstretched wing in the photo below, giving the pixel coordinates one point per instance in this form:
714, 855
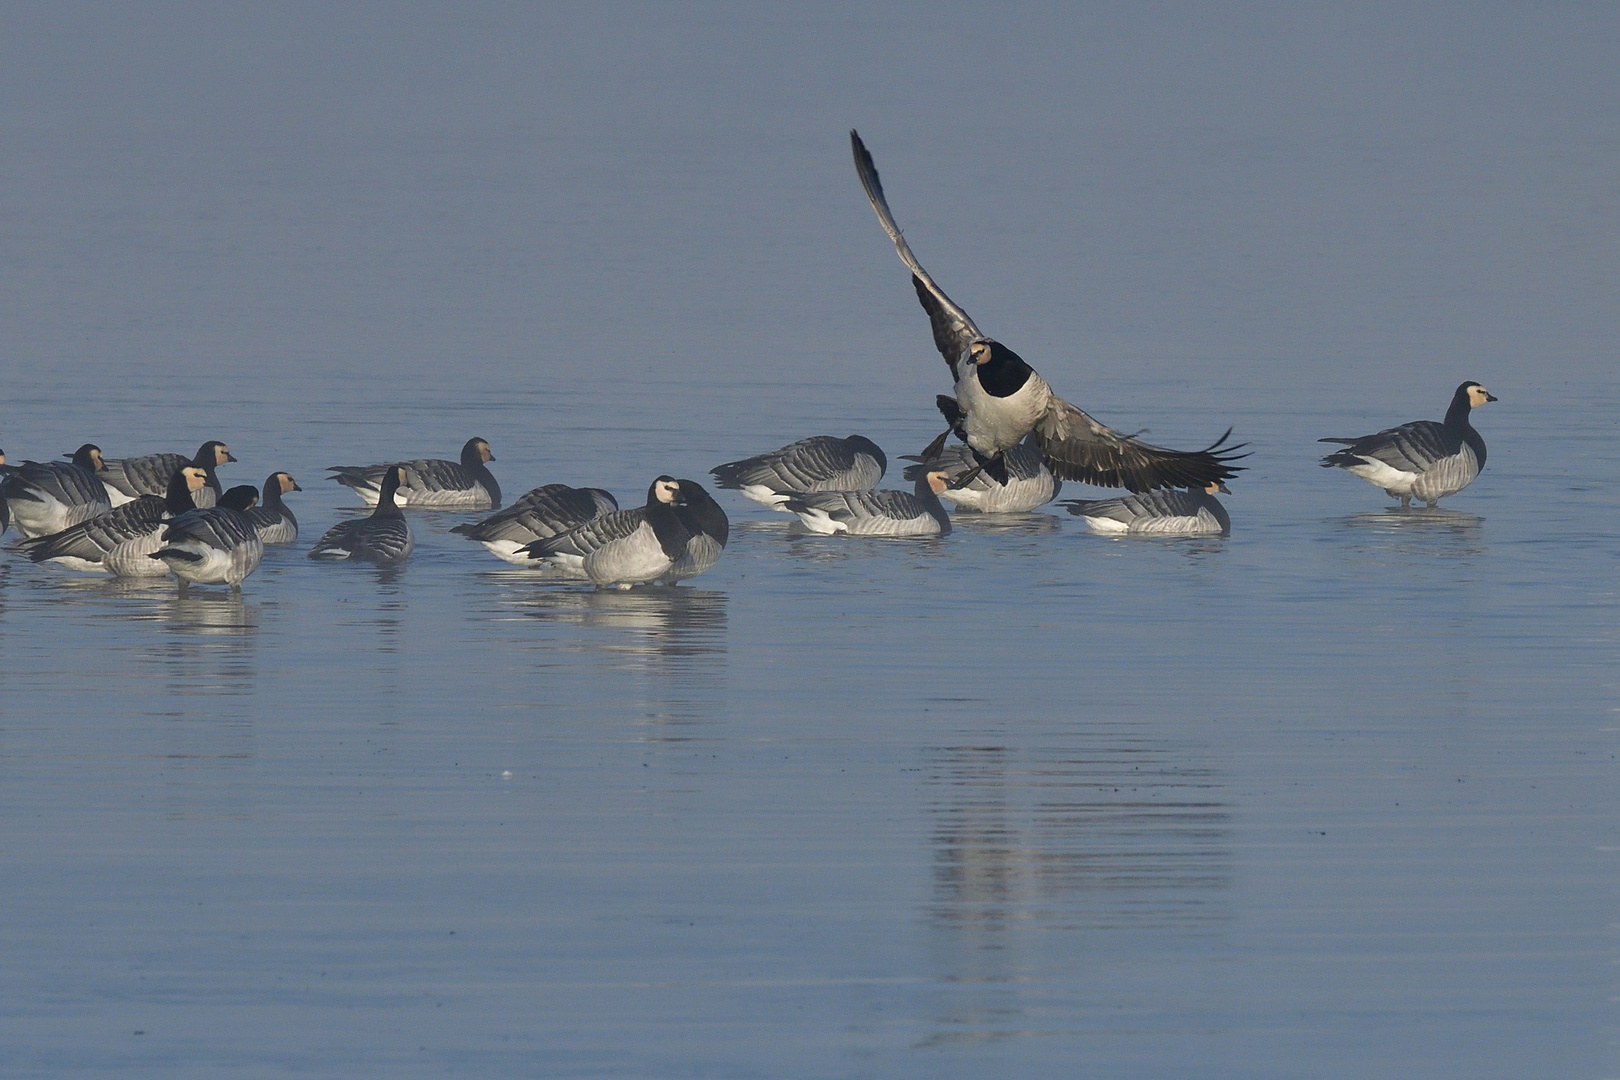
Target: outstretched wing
1076, 447
954, 330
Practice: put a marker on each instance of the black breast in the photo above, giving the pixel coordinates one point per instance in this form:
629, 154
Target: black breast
1005, 373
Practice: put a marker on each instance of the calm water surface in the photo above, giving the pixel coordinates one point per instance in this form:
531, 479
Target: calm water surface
1336, 796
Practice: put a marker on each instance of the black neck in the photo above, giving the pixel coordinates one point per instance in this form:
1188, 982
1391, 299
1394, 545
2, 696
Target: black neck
1461, 407
1005, 373
177, 499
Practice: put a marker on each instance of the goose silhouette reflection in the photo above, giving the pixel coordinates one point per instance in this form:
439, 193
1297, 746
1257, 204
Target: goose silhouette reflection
1420, 531
1041, 847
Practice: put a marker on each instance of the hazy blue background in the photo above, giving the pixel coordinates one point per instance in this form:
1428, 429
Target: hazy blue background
1334, 797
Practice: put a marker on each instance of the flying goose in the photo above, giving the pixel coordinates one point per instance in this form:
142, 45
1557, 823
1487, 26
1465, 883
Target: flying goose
432, 483
130, 478
1029, 482
536, 515
1000, 399
1157, 513
382, 537
626, 547
876, 513
707, 529
213, 545
119, 541
819, 463
272, 517
45, 497
1421, 460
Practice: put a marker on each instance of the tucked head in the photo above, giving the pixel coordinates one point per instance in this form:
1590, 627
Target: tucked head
1477, 394
241, 497
667, 490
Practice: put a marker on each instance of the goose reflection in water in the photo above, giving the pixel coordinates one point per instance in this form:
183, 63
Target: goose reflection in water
1422, 531
1037, 849
669, 620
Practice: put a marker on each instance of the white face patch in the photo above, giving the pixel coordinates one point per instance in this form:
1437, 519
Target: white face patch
221, 455
981, 353
666, 491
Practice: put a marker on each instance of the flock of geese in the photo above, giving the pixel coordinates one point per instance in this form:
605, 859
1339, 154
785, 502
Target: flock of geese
1016, 442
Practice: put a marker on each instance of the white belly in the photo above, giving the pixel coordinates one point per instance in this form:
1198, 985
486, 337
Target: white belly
994, 425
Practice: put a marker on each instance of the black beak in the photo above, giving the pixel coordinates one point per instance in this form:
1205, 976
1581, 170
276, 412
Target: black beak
1489, 396
229, 456
296, 487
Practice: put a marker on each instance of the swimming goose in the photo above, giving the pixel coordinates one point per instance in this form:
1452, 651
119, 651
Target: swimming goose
707, 529
819, 463
876, 513
5, 511
1029, 482
119, 541
1157, 513
213, 545
383, 537
543, 512
130, 478
432, 483
46, 497
1000, 399
626, 547
272, 517
1421, 460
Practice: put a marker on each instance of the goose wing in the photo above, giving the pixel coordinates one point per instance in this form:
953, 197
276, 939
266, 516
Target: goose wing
1410, 448
954, 329
216, 526
544, 512
374, 539
67, 483
593, 534
1077, 447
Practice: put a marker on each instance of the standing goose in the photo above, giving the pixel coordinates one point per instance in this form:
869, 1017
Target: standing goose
1029, 482
1000, 399
119, 541
876, 513
213, 545
383, 537
46, 497
130, 478
271, 517
1421, 460
432, 483
707, 529
1157, 513
536, 515
819, 463
626, 547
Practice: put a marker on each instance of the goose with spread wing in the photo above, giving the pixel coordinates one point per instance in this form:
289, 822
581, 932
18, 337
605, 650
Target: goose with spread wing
1000, 399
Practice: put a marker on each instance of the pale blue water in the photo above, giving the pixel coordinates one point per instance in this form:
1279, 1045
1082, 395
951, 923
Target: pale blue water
1333, 797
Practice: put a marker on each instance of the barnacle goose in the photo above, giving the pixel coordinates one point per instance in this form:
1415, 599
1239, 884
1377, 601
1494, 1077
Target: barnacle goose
707, 529
876, 513
1029, 482
382, 537
1000, 399
819, 463
1425, 459
213, 545
271, 517
119, 541
1157, 513
130, 478
626, 547
45, 497
432, 483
